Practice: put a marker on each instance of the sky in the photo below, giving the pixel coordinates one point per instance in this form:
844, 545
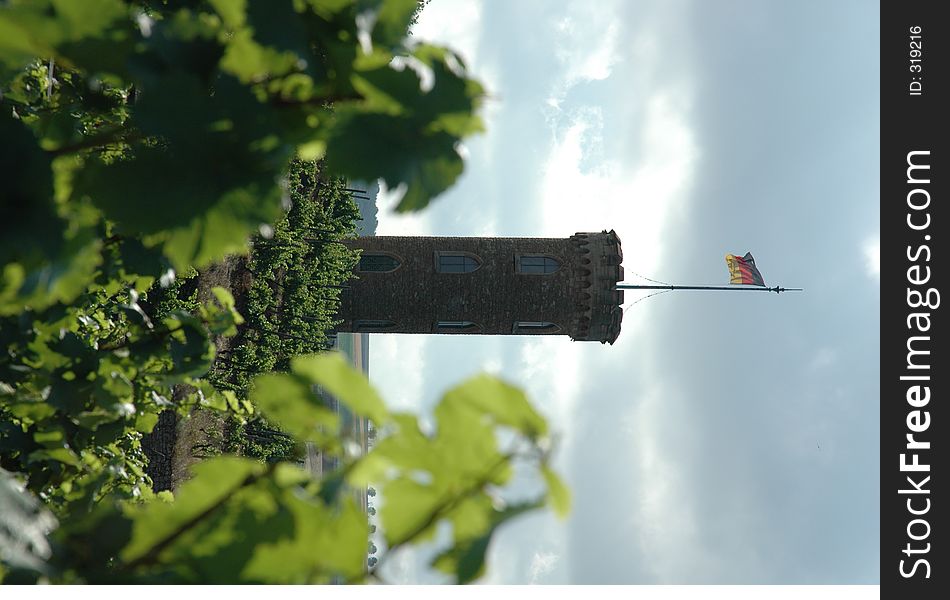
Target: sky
725, 438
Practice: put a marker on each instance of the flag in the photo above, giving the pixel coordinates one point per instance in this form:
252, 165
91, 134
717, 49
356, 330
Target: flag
742, 270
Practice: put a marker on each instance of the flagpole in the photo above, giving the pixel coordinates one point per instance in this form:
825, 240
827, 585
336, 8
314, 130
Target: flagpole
735, 288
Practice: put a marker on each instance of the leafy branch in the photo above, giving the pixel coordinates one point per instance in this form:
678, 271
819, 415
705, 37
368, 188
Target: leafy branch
450, 502
152, 554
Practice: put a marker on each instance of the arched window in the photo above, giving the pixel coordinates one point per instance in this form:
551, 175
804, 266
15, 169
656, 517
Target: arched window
378, 263
373, 325
538, 265
535, 327
456, 262
455, 326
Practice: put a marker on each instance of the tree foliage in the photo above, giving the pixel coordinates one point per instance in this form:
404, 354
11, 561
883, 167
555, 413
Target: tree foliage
145, 139
206, 103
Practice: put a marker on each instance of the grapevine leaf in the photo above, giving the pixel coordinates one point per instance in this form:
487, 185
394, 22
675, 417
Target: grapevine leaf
559, 495
290, 401
213, 481
349, 386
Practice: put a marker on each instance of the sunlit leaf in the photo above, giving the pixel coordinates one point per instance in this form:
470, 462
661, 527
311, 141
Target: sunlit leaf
503, 403
407, 509
291, 402
559, 495
326, 543
212, 484
349, 386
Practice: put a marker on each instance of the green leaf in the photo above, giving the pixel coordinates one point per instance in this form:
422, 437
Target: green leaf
93, 419
226, 157
406, 510
471, 561
40, 264
332, 372
45, 28
290, 401
213, 482
89, 18
392, 22
224, 297
234, 522
397, 149
190, 349
63, 455
405, 449
146, 422
326, 543
30, 411
559, 495
503, 403
466, 445
138, 259
466, 559
472, 517
232, 11
273, 43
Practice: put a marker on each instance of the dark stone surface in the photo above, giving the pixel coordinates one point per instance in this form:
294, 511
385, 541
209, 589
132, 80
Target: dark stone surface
579, 297
159, 447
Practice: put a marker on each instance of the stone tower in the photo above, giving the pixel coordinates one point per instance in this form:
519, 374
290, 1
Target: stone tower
488, 286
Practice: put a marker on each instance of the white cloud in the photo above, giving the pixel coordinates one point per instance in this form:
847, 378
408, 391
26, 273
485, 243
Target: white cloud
492, 366
456, 23
550, 372
402, 383
872, 257
824, 358
587, 57
663, 517
586, 46
393, 223
541, 564
635, 200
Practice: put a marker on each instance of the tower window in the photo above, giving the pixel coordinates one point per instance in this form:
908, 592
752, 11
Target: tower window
456, 262
455, 326
535, 327
373, 325
537, 265
378, 263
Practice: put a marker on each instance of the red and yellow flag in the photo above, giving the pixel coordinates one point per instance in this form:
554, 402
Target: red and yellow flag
743, 271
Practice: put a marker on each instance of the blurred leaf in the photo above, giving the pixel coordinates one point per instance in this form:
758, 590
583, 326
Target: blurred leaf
407, 509
62, 455
64, 29
349, 386
559, 495
91, 539
397, 149
146, 422
392, 22
30, 230
139, 259
326, 543
214, 480
472, 517
291, 402
466, 560
503, 403
273, 43
232, 11
24, 525
190, 349
235, 522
